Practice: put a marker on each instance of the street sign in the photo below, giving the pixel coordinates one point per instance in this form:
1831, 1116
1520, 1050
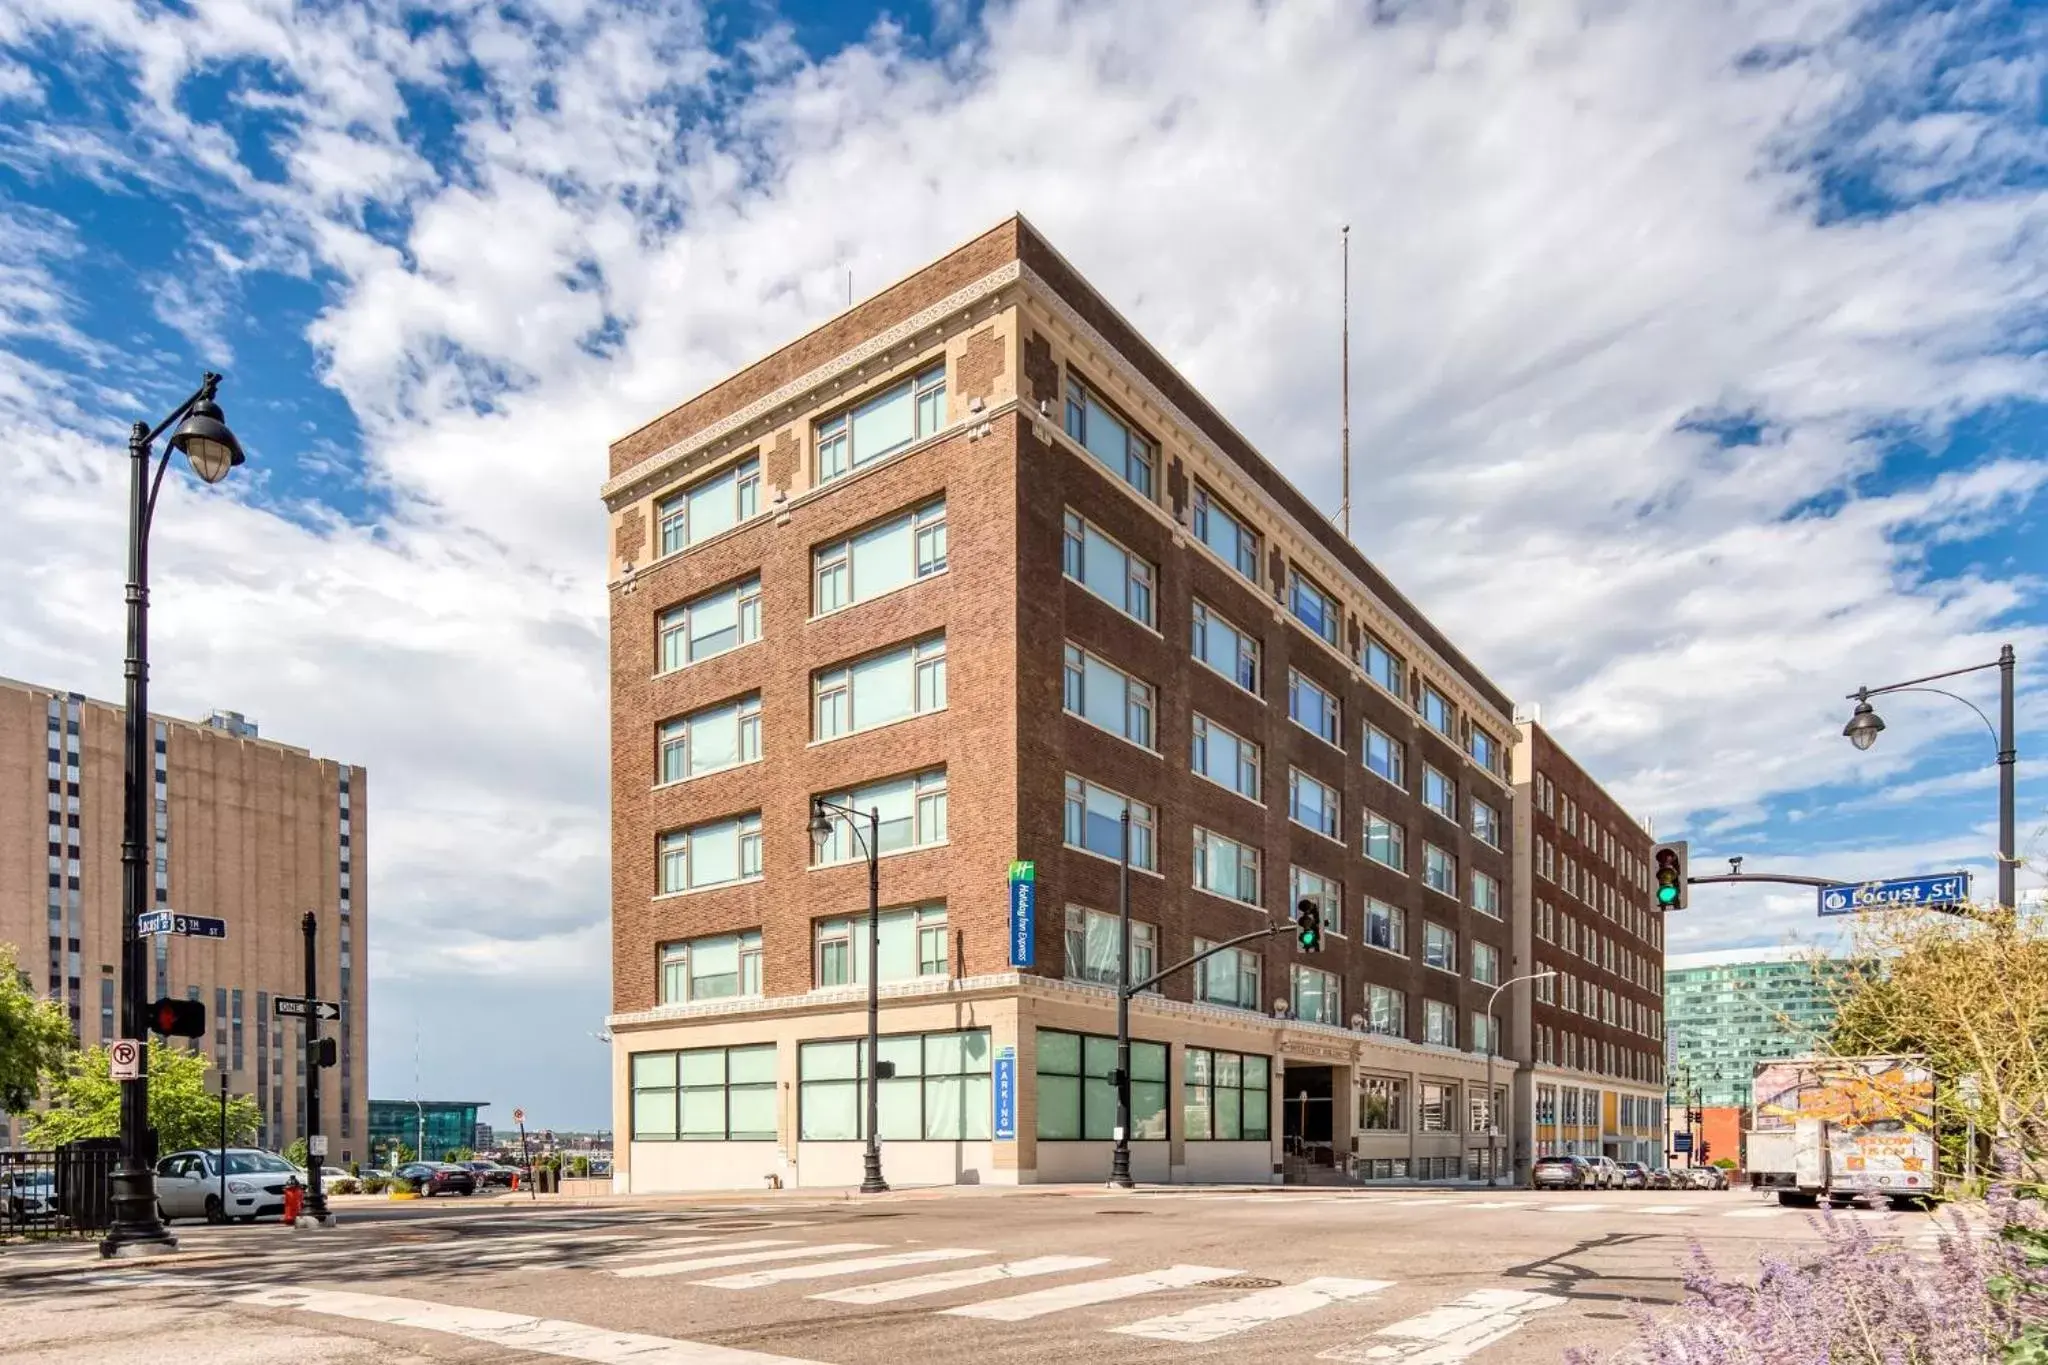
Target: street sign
189, 926
519, 1116
1948, 888
316, 1145
1681, 1142
1006, 1094
1023, 914
295, 1007
124, 1059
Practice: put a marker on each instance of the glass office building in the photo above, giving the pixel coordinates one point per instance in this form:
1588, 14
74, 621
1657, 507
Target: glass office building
447, 1124
1726, 1011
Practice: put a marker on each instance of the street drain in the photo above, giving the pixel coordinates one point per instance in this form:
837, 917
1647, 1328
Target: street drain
1241, 1282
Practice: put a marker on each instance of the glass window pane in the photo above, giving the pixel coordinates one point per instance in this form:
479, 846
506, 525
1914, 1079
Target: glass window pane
654, 1068
1256, 1117
829, 1111
654, 1114
882, 559
1059, 1105
1099, 1055
714, 506
1148, 1061
1196, 1115
704, 1067
945, 1054
750, 1114
714, 854
703, 1114
751, 1065
1098, 1108
1255, 1072
1148, 1111
884, 423
882, 689
829, 1061
1059, 1054
900, 1104
905, 1051
1229, 1121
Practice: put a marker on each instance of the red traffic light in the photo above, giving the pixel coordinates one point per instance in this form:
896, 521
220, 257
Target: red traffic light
178, 1018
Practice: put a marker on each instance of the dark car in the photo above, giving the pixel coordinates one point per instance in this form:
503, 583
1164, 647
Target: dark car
491, 1174
1561, 1173
438, 1177
1634, 1175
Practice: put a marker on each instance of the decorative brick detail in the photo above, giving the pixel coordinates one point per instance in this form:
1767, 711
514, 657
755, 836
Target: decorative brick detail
781, 463
632, 536
1040, 371
1177, 489
1277, 566
980, 362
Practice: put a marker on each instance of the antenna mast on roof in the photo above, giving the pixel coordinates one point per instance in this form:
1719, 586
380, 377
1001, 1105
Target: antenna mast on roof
1344, 508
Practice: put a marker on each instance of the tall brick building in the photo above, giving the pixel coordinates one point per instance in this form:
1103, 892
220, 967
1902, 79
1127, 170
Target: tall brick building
973, 555
248, 830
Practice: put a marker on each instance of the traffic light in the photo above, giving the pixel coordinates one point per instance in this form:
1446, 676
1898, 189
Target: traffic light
1670, 863
1308, 927
178, 1018
1702, 1153
323, 1052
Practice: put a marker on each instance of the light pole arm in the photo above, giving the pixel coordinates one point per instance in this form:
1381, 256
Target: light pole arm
852, 816
1860, 693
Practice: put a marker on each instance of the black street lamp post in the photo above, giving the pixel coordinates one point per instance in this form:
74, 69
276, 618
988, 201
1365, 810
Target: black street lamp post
871, 1181
1492, 1106
1120, 1157
212, 451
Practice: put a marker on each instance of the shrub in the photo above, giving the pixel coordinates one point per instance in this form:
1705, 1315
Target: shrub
345, 1185
376, 1184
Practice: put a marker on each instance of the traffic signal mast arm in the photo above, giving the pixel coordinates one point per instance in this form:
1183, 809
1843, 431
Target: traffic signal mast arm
1213, 949
1789, 878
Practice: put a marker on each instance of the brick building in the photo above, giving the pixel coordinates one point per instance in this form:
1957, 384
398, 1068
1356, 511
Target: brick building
1594, 1031
974, 556
247, 830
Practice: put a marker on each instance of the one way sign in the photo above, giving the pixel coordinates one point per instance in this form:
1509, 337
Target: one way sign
299, 1007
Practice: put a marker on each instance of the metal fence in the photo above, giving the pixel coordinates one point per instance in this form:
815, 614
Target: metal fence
64, 1192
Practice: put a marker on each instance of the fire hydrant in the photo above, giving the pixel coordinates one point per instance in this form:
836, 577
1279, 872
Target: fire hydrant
294, 1199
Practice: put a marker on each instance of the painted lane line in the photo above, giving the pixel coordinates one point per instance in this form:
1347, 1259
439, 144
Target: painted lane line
1212, 1321
1575, 1208
889, 1291
1664, 1208
635, 1272
1454, 1332
1756, 1213
1038, 1303
822, 1270
1500, 1203
511, 1331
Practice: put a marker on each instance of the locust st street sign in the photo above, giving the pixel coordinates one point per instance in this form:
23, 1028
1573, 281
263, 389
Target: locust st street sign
170, 922
297, 1007
1948, 888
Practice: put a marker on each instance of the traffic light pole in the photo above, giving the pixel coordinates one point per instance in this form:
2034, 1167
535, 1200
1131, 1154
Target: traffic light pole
1120, 1157
316, 1198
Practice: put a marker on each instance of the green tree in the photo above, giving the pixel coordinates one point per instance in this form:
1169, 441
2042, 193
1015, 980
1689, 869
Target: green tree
296, 1153
85, 1102
35, 1038
459, 1154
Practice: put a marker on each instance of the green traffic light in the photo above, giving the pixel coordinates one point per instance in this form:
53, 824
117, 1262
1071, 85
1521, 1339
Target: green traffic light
1667, 895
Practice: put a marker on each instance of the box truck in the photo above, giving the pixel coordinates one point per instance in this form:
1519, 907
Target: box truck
1836, 1128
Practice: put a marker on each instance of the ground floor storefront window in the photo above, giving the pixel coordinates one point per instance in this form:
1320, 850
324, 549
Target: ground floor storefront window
940, 1089
1226, 1096
1076, 1100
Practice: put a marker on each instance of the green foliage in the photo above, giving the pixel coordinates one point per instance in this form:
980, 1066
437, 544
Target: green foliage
85, 1102
35, 1038
296, 1153
580, 1166
355, 1169
1726, 1163
345, 1185
459, 1154
376, 1184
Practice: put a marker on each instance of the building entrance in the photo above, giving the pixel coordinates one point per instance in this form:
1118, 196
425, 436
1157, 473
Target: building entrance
1307, 1113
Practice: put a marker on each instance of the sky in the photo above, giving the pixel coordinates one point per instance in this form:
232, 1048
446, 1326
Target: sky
1698, 377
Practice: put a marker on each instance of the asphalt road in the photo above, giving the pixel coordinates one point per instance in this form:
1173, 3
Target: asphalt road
1420, 1277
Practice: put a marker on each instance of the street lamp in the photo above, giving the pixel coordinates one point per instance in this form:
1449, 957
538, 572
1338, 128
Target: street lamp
212, 451
1492, 1051
1865, 725
871, 1181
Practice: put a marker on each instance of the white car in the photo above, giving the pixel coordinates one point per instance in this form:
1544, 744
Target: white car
188, 1185
31, 1197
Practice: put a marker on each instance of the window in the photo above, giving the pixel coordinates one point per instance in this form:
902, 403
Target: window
711, 854
710, 625
1485, 963
1485, 823
1485, 750
1546, 1105
1386, 1012
1439, 946
1380, 1107
940, 1091
1121, 450
721, 967
1485, 894
1386, 926
1105, 696
1092, 942
1230, 977
912, 814
722, 736
1224, 758
1312, 803
1386, 756
1225, 648
1385, 841
1439, 793
1314, 995
1303, 884
717, 1094
1475, 1100
1439, 1023
879, 560
1225, 867
902, 413
1436, 709
1313, 708
1107, 569
1077, 1102
1226, 535
1226, 1097
1313, 607
704, 509
1382, 665
1094, 822
1439, 1106
1439, 870
897, 684
913, 946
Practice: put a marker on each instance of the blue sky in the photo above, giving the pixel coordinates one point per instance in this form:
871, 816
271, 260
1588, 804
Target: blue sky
1698, 377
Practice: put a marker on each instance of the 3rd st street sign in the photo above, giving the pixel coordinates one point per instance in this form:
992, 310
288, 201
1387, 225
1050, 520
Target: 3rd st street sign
1948, 888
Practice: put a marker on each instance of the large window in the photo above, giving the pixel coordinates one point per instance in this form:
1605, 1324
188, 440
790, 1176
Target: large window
1385, 841
1439, 1023
1120, 449
1382, 1104
1225, 758
880, 559
1386, 1012
1439, 793
1226, 535
1076, 1100
1226, 1097
1092, 943
1304, 885
1312, 803
1224, 867
702, 510
1225, 648
940, 1091
1386, 756
713, 1094
1094, 821
711, 854
1436, 709
1386, 926
1105, 696
1315, 995
710, 625
1485, 823
1230, 977
1314, 708
719, 967
891, 420
913, 946
1485, 963
906, 681
1314, 608
1439, 946
1382, 665
1439, 870
1107, 569
1485, 894
722, 736
912, 814
1485, 750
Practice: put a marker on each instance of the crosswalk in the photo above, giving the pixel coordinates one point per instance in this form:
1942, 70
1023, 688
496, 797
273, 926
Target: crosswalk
1546, 1204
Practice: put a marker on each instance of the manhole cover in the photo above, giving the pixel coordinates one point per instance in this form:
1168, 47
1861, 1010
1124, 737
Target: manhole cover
1241, 1282
1108, 1212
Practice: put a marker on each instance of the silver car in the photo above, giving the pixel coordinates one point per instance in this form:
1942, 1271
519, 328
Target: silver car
1606, 1175
188, 1185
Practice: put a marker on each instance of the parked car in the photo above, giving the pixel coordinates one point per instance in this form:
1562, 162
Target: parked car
31, 1197
1718, 1176
1607, 1175
1660, 1179
1634, 1175
188, 1184
491, 1174
1561, 1173
430, 1178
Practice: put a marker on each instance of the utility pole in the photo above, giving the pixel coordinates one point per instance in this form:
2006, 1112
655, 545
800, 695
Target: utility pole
316, 1141
1120, 1158
1344, 508
224, 1136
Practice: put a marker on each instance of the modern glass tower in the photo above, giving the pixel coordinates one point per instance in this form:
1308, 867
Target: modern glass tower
1726, 1011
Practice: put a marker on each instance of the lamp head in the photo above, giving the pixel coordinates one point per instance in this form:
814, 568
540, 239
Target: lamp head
821, 828
207, 442
1864, 725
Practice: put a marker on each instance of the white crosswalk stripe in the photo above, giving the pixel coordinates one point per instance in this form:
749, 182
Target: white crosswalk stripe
668, 1244
1755, 1213
939, 1282
1664, 1208
731, 1257
1212, 1321
1038, 1303
1452, 1333
1500, 1204
1575, 1208
826, 1269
